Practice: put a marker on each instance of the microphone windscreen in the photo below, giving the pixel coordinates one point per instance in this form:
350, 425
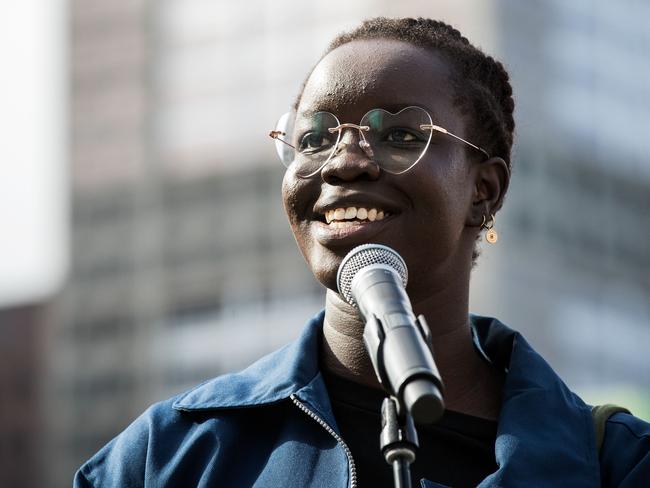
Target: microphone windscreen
363, 256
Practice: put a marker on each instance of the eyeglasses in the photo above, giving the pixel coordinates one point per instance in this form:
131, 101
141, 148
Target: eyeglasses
396, 142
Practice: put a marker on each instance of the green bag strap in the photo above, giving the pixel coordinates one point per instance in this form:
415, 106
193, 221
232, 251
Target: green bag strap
600, 415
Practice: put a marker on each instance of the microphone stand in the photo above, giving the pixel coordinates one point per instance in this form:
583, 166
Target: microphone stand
398, 441
372, 278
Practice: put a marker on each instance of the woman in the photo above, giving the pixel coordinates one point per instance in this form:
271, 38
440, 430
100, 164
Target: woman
401, 136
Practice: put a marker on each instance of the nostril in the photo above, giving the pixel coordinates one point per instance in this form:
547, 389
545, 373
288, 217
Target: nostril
347, 168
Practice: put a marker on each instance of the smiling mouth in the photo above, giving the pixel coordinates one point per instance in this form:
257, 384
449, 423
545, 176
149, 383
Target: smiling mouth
343, 217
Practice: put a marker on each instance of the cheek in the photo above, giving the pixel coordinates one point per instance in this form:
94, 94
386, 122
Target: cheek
297, 195
440, 189
441, 194
290, 197
295, 198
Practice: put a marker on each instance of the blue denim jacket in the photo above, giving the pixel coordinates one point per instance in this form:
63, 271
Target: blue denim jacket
271, 425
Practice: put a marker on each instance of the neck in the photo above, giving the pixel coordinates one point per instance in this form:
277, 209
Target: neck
471, 386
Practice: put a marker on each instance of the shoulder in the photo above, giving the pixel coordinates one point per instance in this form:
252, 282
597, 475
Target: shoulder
175, 440
625, 454
123, 461
167, 445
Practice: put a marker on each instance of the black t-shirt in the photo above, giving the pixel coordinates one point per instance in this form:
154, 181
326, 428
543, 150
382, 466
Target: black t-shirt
458, 451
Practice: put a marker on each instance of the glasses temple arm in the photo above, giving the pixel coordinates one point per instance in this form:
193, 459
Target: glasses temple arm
275, 134
445, 131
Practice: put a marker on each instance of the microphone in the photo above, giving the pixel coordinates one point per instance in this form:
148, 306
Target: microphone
373, 278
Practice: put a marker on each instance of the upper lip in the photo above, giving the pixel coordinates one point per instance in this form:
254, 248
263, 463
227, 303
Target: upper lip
356, 199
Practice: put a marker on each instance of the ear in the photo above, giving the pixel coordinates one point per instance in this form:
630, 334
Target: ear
491, 180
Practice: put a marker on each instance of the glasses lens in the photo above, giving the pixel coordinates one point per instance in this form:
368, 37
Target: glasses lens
307, 142
314, 142
284, 129
396, 140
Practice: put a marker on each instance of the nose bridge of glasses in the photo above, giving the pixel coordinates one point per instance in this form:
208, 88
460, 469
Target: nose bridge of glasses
340, 127
362, 141
341, 130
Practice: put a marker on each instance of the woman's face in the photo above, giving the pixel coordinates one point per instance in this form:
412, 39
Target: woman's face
426, 209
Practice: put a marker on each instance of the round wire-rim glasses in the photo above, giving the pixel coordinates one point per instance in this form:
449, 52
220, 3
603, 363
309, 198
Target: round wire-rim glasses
394, 156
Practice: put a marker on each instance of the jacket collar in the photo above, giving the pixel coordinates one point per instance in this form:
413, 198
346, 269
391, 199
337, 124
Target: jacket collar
271, 379
545, 431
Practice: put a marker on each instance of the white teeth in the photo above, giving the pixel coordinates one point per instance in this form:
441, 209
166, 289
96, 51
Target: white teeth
348, 215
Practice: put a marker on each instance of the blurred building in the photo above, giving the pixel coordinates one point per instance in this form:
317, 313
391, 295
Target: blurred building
575, 225
183, 265
21, 419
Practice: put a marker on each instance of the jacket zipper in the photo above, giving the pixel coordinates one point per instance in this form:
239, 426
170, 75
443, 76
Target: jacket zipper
322, 423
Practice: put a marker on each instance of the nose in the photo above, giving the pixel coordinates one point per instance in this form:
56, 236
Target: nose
350, 161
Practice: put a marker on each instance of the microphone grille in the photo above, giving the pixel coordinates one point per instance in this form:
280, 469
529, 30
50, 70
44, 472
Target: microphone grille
363, 256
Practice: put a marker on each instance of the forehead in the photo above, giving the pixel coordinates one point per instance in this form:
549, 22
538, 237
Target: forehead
379, 73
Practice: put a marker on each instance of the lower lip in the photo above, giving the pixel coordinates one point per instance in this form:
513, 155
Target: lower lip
352, 234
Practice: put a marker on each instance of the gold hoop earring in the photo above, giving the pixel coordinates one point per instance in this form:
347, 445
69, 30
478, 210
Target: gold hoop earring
491, 235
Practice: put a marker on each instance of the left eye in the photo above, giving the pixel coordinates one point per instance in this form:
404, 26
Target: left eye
401, 136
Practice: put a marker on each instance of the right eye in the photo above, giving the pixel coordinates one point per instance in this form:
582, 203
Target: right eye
315, 141
404, 137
